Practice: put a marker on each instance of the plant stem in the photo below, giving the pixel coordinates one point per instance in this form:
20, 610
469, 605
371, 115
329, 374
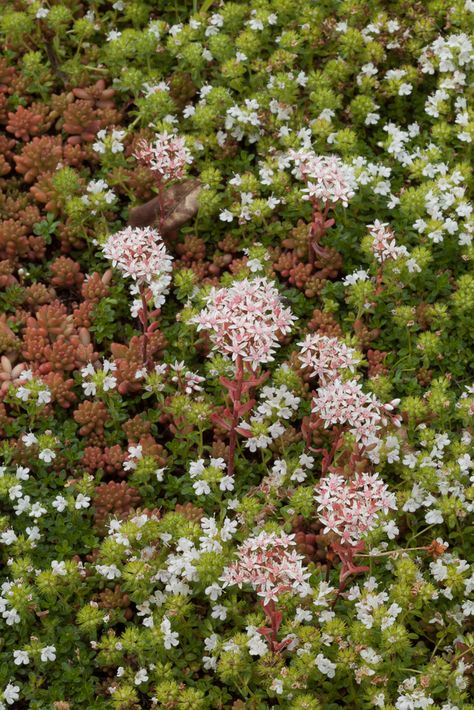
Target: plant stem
392, 552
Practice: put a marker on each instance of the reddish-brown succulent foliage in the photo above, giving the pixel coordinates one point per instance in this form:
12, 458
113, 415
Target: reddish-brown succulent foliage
25, 123
66, 273
113, 500
92, 416
129, 359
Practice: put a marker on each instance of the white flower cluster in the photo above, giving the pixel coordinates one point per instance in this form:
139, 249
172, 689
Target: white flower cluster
99, 380
370, 605
448, 211
112, 142
99, 196
32, 390
210, 477
264, 426
244, 121
443, 481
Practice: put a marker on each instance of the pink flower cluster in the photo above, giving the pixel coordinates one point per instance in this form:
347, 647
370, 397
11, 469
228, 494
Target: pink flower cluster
384, 245
351, 508
139, 253
266, 563
326, 356
327, 177
246, 320
166, 157
339, 402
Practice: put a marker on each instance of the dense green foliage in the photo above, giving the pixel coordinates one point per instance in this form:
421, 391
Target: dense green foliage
111, 553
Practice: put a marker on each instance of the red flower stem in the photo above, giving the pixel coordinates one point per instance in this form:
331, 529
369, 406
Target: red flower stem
239, 378
271, 613
329, 458
318, 229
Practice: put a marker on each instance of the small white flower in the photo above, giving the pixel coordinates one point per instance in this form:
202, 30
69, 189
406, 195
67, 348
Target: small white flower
391, 530
11, 616
405, 89
109, 571
219, 612
325, 666
44, 396
23, 393
277, 686
21, 658
58, 568
37, 510
48, 653
226, 483
60, 503
33, 533
29, 439
8, 537
226, 216
90, 389
22, 473
159, 474
303, 615
82, 501
214, 591
11, 693
47, 455
434, 517
109, 383
201, 488
257, 645
141, 677
170, 637
438, 570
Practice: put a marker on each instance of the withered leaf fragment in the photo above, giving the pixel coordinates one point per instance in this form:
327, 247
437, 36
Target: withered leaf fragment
181, 205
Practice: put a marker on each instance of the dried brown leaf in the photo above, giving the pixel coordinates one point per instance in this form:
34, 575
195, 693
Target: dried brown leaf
181, 205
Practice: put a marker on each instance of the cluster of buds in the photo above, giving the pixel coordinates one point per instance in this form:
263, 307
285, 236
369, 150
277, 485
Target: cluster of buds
385, 249
384, 246
349, 500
